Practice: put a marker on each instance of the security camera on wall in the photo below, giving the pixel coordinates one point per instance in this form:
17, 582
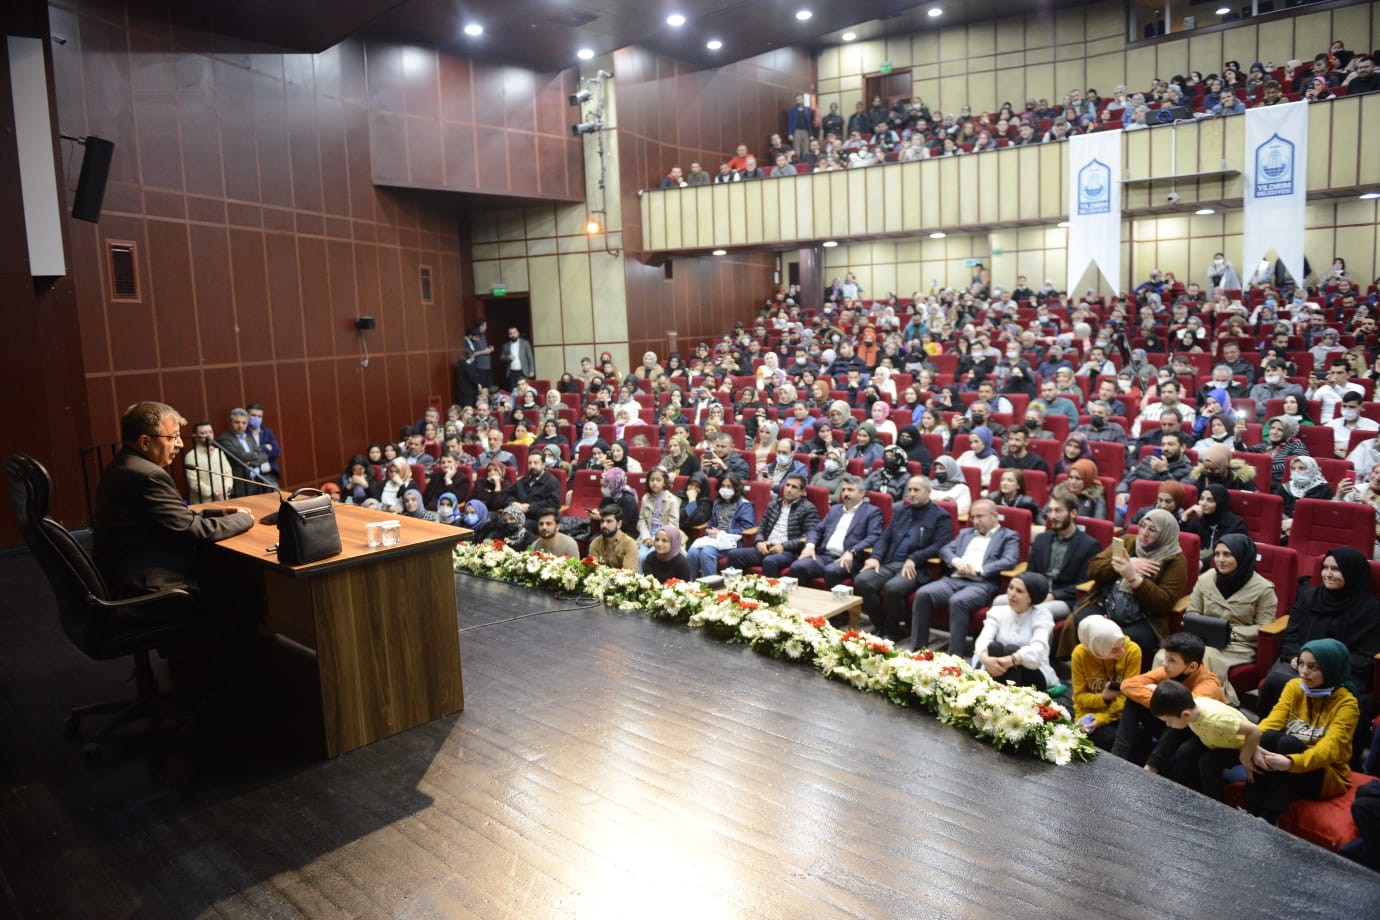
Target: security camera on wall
1173, 197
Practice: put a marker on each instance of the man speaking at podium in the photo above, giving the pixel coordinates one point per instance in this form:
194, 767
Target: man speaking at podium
145, 536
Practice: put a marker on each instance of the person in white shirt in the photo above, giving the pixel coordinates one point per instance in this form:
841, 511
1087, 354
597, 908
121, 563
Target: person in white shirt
1330, 393
1169, 399
1014, 642
1350, 419
208, 469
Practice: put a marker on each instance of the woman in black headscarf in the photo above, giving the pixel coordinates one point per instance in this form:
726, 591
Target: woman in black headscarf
908, 439
1015, 638
1212, 519
1341, 605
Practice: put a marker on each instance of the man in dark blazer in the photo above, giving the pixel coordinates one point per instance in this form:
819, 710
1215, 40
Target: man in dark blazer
247, 459
265, 438
834, 548
786, 523
976, 557
1074, 548
538, 492
145, 537
900, 562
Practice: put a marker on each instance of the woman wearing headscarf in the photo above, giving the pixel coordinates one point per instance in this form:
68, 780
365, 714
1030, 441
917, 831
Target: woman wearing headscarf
1305, 481
732, 514
1306, 740
678, 459
948, 484
615, 489
865, 446
1215, 403
1075, 448
980, 453
696, 502
598, 457
1085, 488
473, 514
1234, 591
660, 509
589, 436
667, 559
1014, 642
841, 418
1103, 658
1341, 604
492, 489
764, 447
448, 509
1281, 442
1170, 496
832, 471
908, 439
414, 507
1212, 519
1140, 577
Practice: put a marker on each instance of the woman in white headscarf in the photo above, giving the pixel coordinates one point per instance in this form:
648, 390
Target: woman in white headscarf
1305, 480
1102, 659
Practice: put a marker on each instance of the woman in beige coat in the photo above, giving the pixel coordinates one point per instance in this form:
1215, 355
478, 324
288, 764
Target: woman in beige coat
1234, 591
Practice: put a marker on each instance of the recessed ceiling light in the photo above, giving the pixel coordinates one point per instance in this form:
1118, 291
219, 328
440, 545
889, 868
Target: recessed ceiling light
938, 235
592, 227
934, 11
713, 44
675, 20
803, 15
849, 36
1203, 212
830, 244
474, 30
721, 252
1367, 196
1223, 10
585, 54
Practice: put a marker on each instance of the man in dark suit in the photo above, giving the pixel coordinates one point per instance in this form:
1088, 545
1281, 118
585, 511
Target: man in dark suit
145, 538
833, 548
247, 459
1062, 554
785, 524
900, 562
265, 438
538, 492
977, 557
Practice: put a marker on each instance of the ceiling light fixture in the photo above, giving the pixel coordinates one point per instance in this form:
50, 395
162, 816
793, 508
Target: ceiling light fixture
592, 227
675, 20
713, 44
1203, 212
474, 30
938, 235
1223, 10
1367, 196
803, 15
585, 54
934, 11
849, 36
830, 244
721, 252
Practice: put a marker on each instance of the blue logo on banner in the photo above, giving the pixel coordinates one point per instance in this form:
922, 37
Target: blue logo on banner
1274, 168
1094, 189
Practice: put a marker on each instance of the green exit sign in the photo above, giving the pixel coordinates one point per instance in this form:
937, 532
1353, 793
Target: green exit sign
500, 291
885, 67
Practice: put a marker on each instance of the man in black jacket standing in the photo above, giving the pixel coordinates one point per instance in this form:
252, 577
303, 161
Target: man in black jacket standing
900, 562
145, 537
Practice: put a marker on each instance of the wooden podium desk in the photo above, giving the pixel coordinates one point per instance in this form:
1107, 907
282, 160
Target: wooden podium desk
381, 621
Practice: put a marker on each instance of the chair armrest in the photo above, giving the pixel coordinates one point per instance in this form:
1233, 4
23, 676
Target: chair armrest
747, 535
1180, 606
144, 604
1276, 626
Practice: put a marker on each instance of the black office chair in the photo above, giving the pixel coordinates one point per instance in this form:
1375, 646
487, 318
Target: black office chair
101, 627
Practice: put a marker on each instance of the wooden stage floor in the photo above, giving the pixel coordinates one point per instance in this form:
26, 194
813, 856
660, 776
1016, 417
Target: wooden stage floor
606, 766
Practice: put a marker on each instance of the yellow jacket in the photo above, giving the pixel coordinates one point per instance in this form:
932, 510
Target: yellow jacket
1332, 721
1090, 675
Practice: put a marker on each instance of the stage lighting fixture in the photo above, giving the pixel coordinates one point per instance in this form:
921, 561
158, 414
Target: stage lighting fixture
582, 96
585, 127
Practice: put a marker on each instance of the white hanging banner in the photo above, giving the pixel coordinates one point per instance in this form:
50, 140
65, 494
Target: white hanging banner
1276, 185
1094, 184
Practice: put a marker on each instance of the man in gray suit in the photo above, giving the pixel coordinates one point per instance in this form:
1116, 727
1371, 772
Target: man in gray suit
976, 558
517, 351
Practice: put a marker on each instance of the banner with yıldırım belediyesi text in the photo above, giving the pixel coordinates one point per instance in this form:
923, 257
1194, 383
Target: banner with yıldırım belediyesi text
1275, 177
1094, 202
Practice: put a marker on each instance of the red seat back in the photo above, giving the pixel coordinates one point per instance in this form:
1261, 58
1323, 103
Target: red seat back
1322, 524
1264, 514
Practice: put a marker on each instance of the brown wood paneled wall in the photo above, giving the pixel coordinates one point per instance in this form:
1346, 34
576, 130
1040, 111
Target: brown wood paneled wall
245, 181
441, 121
669, 113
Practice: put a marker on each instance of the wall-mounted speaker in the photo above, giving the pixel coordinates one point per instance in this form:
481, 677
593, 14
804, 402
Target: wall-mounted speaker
95, 169
365, 323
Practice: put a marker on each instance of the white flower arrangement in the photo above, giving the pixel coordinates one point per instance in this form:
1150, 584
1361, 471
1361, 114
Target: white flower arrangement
755, 613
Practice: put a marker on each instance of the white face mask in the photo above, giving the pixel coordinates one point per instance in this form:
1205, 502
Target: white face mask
1274, 380
831, 466
726, 493
1351, 415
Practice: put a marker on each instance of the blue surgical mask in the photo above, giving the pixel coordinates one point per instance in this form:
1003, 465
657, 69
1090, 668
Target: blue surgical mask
255, 422
471, 519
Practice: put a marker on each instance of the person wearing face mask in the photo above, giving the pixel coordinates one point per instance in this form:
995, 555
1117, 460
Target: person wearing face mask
730, 515
1099, 426
209, 474
1305, 480
950, 485
892, 476
1350, 419
245, 456
781, 465
908, 439
265, 438
1273, 385
831, 473
1222, 276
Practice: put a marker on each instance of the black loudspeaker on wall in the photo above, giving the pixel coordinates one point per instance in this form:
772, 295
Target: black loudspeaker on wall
95, 169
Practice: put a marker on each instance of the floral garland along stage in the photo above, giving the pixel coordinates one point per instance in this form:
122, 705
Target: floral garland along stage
755, 613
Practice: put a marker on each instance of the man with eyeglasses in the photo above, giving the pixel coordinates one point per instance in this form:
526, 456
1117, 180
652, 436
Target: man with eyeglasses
145, 536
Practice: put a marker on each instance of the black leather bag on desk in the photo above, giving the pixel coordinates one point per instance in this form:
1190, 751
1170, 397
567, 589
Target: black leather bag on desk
307, 530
